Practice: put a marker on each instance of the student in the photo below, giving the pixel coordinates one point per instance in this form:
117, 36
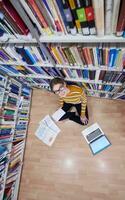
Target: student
71, 96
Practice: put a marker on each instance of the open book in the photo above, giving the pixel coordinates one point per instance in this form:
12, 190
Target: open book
47, 130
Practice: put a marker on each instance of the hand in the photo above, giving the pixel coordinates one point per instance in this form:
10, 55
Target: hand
84, 120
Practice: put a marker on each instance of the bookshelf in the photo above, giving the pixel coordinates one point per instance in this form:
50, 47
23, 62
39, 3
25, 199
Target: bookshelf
15, 108
43, 43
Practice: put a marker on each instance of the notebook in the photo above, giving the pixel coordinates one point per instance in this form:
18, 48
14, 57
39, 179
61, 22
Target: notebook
96, 138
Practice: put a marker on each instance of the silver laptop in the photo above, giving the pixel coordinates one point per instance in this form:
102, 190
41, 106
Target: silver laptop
92, 133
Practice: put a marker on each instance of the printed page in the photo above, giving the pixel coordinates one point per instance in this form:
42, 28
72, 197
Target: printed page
47, 131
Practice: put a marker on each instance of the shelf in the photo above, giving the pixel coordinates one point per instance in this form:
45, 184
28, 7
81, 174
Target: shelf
67, 79
64, 39
102, 91
65, 66
81, 39
16, 189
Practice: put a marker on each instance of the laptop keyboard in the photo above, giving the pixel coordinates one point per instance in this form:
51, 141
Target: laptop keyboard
93, 135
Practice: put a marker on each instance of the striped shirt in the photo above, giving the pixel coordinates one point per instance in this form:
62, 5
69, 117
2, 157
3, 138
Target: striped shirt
75, 96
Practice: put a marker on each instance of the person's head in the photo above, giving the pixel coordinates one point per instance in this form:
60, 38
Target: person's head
58, 86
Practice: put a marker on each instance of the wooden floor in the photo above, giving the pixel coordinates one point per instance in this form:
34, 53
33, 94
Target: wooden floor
68, 170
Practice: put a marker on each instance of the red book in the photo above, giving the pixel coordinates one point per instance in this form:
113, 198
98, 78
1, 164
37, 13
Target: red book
38, 13
87, 56
121, 20
14, 16
89, 13
90, 19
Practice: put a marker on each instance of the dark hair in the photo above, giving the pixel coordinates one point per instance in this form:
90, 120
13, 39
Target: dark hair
55, 81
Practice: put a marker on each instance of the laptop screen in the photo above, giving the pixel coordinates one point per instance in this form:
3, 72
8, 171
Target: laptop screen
99, 144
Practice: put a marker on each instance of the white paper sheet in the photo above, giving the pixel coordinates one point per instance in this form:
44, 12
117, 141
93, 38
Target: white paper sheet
58, 114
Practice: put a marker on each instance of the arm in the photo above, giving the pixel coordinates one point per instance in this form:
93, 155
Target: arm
61, 102
83, 103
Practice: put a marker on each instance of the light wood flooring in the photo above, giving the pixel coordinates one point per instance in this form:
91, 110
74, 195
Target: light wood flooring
68, 170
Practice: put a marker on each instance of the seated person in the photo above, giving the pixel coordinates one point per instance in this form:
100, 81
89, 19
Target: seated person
71, 96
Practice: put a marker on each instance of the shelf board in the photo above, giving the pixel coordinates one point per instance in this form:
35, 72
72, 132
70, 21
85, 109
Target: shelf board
65, 66
67, 79
79, 38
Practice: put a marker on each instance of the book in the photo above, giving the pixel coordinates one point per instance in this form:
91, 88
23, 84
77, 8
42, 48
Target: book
99, 11
115, 13
69, 17
32, 16
121, 20
40, 16
14, 16
47, 130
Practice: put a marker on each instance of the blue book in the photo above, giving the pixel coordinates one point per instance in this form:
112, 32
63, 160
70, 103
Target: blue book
36, 69
107, 87
98, 56
26, 56
2, 149
112, 57
85, 73
43, 55
2, 32
32, 59
5, 70
123, 34
60, 6
47, 7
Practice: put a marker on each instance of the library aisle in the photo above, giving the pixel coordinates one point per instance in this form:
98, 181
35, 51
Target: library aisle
68, 170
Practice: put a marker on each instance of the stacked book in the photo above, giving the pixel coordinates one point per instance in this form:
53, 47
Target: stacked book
13, 169
71, 55
10, 102
23, 114
3, 164
7, 123
100, 87
62, 17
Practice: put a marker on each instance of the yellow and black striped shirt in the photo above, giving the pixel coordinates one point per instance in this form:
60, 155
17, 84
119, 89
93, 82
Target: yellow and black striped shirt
75, 96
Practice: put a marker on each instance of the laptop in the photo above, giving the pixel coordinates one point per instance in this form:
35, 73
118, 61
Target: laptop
96, 138
93, 132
